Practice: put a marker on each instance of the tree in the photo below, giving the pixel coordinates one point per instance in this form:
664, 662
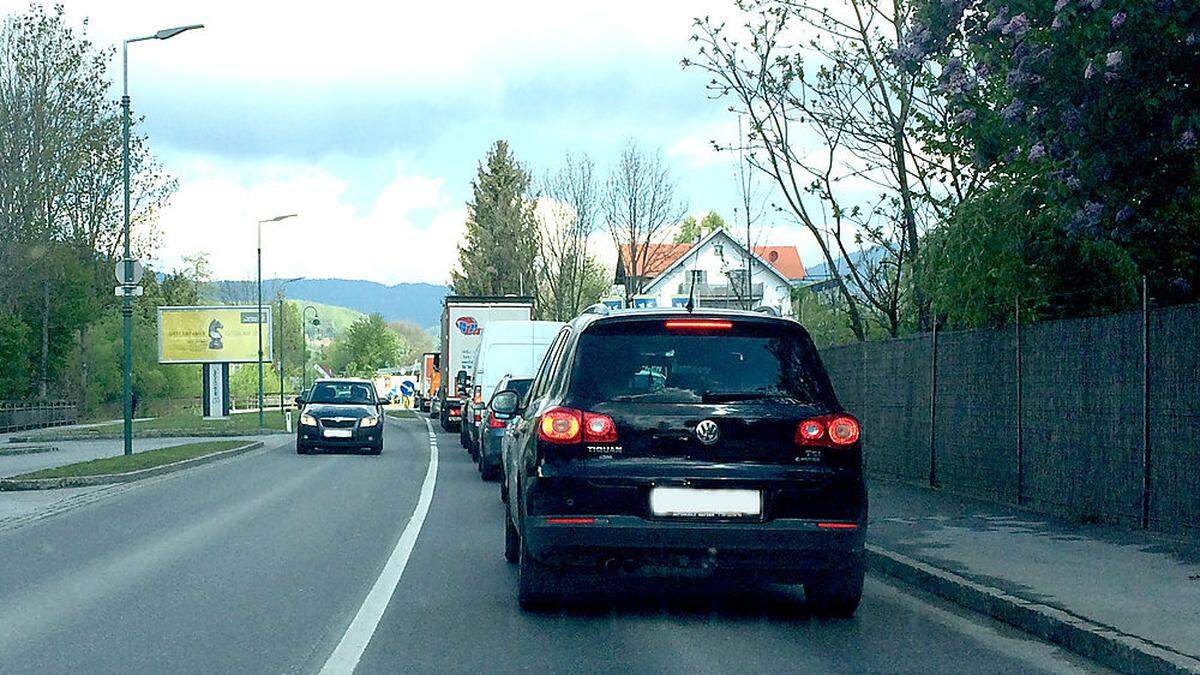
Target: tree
569, 279
416, 341
365, 347
60, 174
869, 181
690, 230
641, 207
1087, 116
499, 251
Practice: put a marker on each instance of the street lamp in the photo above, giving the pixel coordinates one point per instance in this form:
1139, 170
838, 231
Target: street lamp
127, 282
282, 326
304, 342
276, 219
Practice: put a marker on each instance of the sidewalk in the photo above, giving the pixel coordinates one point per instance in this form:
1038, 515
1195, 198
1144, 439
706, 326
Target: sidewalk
1130, 583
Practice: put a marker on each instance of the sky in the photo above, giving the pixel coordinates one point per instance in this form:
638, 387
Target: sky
368, 119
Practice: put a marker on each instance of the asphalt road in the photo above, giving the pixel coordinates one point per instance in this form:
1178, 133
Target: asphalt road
271, 562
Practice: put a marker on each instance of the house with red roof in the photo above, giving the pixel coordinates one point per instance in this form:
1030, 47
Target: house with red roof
717, 270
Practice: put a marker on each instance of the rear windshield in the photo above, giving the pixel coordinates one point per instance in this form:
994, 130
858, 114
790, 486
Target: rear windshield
519, 386
644, 361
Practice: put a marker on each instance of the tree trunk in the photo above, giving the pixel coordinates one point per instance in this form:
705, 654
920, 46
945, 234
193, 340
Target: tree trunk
44, 362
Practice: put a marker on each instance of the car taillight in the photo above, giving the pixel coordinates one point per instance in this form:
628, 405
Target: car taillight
560, 425
836, 429
494, 423
698, 324
598, 428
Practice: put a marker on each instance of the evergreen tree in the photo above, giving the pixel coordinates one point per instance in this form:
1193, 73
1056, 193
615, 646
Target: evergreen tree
500, 248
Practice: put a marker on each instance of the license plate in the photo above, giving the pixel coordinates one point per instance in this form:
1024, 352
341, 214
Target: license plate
665, 501
338, 433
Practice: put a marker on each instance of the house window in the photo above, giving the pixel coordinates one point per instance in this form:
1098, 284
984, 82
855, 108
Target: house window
720, 249
737, 279
698, 277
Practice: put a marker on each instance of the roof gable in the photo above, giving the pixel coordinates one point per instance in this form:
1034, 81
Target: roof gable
700, 245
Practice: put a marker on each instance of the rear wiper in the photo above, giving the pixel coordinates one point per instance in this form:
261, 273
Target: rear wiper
723, 396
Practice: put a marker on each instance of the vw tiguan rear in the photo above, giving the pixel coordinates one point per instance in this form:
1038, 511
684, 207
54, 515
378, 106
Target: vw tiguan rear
676, 444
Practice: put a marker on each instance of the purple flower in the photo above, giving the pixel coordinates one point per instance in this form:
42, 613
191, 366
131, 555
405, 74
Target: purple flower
1017, 26
1124, 214
1037, 152
999, 21
1089, 71
1057, 22
1012, 112
1073, 182
1095, 4
1061, 5
1087, 218
1118, 20
1114, 59
965, 116
1187, 140
1110, 76
1190, 39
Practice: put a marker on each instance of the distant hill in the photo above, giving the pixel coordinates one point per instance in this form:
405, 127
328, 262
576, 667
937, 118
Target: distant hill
418, 303
334, 319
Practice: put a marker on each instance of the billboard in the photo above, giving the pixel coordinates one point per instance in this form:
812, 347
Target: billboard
212, 334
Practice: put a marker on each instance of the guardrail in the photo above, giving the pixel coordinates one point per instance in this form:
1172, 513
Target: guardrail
23, 415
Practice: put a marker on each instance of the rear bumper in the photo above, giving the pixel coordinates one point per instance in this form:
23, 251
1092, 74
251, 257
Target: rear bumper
783, 549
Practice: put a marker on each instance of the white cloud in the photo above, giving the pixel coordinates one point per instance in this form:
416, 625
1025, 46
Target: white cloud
409, 233
696, 146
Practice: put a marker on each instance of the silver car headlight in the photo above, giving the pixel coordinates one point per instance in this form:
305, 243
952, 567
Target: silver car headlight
308, 420
368, 422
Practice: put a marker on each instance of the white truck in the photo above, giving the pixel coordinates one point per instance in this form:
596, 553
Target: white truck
464, 319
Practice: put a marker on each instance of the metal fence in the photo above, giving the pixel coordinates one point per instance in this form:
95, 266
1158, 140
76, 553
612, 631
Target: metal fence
1093, 419
22, 415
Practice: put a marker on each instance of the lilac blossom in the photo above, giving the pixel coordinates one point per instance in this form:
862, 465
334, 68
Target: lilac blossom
1037, 152
1089, 71
1114, 59
1187, 140
1061, 5
1073, 182
1012, 112
1118, 20
1017, 26
1058, 22
1087, 218
965, 116
1124, 214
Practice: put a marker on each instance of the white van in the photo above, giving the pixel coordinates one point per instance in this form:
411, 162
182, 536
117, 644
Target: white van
511, 348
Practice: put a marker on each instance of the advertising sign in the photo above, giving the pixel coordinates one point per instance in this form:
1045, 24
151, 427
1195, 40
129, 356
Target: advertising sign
212, 334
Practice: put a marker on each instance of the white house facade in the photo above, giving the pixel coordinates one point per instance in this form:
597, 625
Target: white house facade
717, 266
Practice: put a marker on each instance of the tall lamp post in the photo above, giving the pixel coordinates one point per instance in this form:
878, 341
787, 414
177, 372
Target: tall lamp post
304, 341
282, 326
276, 219
128, 282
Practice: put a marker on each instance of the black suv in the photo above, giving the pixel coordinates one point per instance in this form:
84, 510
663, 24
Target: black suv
667, 443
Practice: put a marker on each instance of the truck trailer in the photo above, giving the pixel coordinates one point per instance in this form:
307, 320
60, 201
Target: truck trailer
464, 319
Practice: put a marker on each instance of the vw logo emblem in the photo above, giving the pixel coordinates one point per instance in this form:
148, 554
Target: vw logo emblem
707, 432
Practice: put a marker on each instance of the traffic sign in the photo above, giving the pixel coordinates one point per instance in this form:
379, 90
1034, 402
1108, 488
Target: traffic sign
135, 291
138, 271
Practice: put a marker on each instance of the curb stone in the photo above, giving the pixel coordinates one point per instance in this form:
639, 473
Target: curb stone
10, 484
1098, 642
28, 450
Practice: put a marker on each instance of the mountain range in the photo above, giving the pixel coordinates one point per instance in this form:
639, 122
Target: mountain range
418, 303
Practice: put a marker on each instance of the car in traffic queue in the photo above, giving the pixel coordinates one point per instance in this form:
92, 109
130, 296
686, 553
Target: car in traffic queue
340, 414
509, 348
671, 443
492, 430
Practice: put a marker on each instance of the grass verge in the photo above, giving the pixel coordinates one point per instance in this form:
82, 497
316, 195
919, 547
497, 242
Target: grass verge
135, 462
175, 424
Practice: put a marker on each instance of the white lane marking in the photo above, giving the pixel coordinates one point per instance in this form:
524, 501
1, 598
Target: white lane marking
349, 650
